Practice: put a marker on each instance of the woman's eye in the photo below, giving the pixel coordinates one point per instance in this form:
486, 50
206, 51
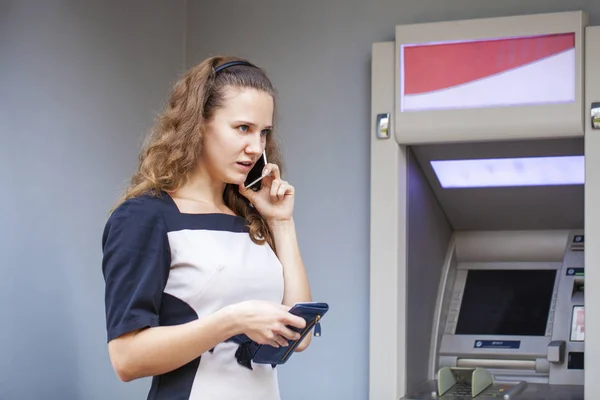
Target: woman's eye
244, 128
265, 132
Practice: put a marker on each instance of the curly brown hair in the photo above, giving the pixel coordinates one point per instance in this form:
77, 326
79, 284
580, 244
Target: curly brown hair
174, 146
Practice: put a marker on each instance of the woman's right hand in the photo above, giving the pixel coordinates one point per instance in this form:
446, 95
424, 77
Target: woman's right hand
266, 323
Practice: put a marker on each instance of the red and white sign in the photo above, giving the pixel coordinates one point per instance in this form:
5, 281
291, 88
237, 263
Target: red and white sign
488, 73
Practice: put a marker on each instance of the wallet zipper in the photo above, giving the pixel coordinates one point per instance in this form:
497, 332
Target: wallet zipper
314, 323
317, 326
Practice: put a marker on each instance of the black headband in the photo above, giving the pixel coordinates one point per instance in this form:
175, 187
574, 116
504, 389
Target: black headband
231, 64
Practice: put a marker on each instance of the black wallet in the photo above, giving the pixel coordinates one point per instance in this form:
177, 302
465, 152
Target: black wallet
312, 314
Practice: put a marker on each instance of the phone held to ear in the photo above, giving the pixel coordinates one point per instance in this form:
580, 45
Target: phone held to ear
312, 312
255, 175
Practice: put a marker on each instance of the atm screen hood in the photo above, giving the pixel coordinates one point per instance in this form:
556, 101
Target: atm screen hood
507, 207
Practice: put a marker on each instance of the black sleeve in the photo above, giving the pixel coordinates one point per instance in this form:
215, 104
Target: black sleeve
135, 264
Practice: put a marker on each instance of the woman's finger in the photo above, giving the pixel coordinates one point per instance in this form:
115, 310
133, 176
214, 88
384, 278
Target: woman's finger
282, 341
283, 189
275, 185
288, 333
273, 170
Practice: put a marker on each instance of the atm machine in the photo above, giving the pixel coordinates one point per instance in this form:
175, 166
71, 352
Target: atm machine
485, 191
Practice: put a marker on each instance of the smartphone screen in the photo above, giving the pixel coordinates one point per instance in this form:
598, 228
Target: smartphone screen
255, 175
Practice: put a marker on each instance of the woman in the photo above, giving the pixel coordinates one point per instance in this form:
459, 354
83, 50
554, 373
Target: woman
191, 259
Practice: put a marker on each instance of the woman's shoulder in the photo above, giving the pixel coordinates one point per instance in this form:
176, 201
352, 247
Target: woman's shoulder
146, 202
136, 220
145, 207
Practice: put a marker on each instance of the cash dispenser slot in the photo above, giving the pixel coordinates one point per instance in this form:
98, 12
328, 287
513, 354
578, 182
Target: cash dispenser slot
511, 364
578, 290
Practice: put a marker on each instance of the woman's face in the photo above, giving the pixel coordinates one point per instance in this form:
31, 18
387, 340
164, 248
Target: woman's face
237, 134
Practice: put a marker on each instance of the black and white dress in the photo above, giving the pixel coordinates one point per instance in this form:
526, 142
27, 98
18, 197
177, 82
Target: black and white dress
164, 267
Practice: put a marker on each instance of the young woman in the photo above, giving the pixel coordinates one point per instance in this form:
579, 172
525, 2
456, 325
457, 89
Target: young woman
191, 259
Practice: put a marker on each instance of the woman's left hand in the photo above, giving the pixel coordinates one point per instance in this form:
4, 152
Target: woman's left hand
275, 199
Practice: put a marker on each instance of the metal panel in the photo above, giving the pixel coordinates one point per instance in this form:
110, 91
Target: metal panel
387, 355
592, 218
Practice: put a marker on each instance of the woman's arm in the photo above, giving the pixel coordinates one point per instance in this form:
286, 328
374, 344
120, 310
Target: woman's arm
158, 350
297, 288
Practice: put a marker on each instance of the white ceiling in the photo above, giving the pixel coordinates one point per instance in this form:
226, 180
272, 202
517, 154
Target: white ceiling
549, 207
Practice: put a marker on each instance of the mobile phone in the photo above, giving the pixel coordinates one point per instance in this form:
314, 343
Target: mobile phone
255, 175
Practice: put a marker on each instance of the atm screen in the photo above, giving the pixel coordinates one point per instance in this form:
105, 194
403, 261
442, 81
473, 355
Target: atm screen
506, 302
578, 324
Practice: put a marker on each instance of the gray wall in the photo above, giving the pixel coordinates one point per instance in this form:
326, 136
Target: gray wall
79, 83
318, 53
